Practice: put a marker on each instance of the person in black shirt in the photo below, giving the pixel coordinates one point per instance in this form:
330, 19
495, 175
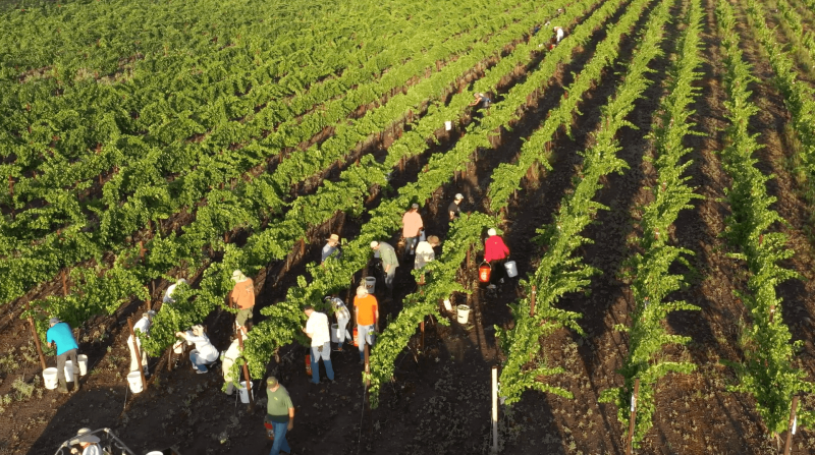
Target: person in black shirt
454, 209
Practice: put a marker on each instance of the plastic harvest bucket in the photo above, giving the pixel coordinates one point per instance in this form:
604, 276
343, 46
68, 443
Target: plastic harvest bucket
448, 125
370, 284
244, 392
134, 381
512, 269
463, 314
335, 336
447, 305
69, 371
356, 343
83, 364
49, 376
155, 452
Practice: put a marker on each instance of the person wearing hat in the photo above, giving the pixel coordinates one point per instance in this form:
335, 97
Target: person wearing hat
367, 311
88, 443
204, 352
317, 328
343, 318
496, 253
412, 225
454, 209
59, 334
228, 359
389, 262
141, 327
331, 247
242, 297
280, 412
559, 34
425, 253
168, 295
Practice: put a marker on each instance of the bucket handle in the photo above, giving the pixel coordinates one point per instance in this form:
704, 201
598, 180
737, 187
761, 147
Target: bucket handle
487, 263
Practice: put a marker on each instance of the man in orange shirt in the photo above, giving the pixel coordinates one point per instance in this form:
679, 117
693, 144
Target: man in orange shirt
242, 297
367, 317
411, 229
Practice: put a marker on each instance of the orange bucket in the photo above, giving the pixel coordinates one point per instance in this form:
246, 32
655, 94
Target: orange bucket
355, 337
308, 364
484, 273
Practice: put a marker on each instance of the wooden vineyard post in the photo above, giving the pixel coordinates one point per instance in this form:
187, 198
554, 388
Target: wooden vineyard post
36, 338
633, 419
141, 251
494, 410
147, 303
246, 374
532, 301
138, 352
64, 283
367, 366
792, 426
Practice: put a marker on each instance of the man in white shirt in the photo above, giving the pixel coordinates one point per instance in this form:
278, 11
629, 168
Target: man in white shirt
317, 330
143, 327
425, 253
168, 295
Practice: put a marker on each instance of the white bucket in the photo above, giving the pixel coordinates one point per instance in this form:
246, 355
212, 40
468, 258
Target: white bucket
49, 376
448, 125
244, 392
82, 359
178, 347
463, 314
335, 334
447, 305
155, 452
69, 371
370, 284
512, 269
134, 380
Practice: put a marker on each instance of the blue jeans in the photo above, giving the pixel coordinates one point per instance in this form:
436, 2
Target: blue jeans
317, 353
280, 443
365, 334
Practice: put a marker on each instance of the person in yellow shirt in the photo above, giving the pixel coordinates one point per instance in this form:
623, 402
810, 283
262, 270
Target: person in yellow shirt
367, 317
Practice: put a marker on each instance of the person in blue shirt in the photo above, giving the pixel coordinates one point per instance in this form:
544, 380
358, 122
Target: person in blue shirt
60, 335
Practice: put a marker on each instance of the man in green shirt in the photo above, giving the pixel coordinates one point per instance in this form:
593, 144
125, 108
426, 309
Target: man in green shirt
280, 412
389, 263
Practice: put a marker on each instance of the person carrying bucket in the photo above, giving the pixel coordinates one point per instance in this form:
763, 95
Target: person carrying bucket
496, 253
367, 312
242, 297
412, 225
228, 359
317, 329
331, 248
279, 413
87, 442
204, 353
343, 318
142, 326
59, 335
389, 263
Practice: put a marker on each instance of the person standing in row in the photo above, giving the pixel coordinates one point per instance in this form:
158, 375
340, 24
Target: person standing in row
331, 248
280, 412
343, 318
59, 334
454, 209
496, 253
204, 352
367, 312
425, 253
242, 297
228, 359
389, 263
317, 329
412, 225
559, 34
142, 326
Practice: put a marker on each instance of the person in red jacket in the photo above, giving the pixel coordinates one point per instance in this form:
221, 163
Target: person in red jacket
496, 254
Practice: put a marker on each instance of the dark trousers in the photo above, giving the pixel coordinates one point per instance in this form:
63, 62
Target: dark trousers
498, 271
67, 355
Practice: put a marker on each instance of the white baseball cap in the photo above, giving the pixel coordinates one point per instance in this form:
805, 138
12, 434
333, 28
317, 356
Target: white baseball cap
491, 232
459, 196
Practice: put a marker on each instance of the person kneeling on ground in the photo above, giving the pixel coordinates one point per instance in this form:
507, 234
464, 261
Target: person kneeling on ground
367, 311
143, 327
228, 358
204, 353
60, 335
317, 329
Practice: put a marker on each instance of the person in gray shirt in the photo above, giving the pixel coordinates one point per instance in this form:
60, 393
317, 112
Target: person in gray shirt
389, 263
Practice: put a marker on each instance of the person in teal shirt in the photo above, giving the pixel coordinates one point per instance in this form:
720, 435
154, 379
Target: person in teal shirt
60, 335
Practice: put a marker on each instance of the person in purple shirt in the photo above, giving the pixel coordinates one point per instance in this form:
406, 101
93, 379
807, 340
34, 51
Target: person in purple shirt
60, 335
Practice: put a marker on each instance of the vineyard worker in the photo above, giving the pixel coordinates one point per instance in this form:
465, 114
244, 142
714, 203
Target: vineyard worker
168, 295
331, 247
242, 297
389, 262
87, 442
367, 312
454, 209
425, 253
228, 359
412, 225
317, 329
496, 253
559, 34
59, 334
204, 352
343, 318
482, 101
143, 326
280, 412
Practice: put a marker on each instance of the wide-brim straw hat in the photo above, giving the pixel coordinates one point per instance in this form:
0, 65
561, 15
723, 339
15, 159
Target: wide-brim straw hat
238, 276
335, 239
84, 435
